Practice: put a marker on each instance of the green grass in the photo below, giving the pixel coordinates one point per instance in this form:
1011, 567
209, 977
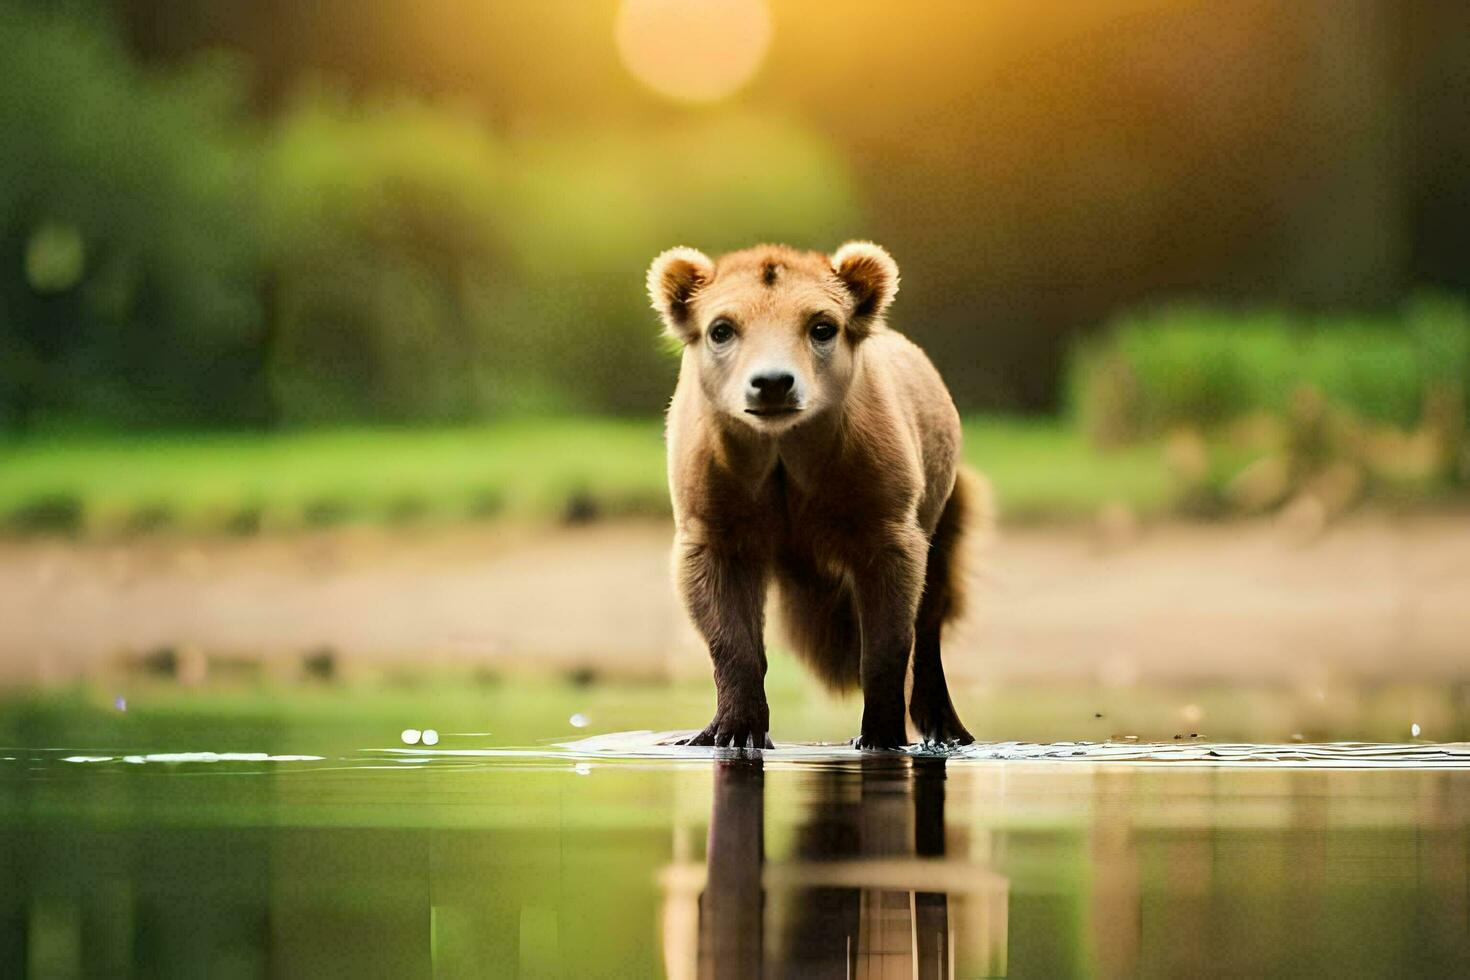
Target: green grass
1044, 470
534, 470
247, 482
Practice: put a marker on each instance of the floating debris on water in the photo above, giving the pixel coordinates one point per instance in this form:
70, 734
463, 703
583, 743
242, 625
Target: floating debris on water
1414, 729
429, 737
411, 736
579, 720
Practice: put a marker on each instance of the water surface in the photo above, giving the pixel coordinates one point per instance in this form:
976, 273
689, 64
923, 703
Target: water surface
615, 855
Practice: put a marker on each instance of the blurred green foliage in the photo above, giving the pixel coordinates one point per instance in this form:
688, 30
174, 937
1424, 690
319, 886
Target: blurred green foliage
423, 270
166, 260
128, 250
173, 257
1207, 367
382, 231
1264, 409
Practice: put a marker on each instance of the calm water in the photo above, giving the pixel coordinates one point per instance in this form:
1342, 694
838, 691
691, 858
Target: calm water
614, 856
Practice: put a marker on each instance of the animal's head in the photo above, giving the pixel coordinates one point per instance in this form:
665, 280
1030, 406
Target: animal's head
770, 330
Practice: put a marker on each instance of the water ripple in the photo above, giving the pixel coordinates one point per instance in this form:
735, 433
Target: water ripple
651, 746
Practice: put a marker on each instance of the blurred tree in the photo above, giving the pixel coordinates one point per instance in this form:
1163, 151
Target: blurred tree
474, 241
1033, 175
386, 228
127, 255
592, 209
422, 269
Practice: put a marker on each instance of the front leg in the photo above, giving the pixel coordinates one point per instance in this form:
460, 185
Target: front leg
724, 590
888, 581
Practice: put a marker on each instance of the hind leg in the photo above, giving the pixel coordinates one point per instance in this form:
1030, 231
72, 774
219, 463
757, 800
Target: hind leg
930, 708
888, 584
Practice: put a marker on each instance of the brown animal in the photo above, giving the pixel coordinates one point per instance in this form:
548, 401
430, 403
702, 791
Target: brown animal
811, 445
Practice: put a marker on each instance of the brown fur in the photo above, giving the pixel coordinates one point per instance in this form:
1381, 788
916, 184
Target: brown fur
827, 465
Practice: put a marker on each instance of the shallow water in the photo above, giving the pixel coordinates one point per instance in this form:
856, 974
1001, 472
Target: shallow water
617, 855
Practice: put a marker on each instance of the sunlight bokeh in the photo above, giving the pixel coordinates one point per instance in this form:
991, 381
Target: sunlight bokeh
696, 52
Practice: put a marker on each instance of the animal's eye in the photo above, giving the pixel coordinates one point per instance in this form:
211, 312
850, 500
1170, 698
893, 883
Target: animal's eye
823, 331
722, 331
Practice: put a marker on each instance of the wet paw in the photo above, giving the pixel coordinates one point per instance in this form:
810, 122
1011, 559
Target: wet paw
729, 735
947, 736
940, 728
878, 742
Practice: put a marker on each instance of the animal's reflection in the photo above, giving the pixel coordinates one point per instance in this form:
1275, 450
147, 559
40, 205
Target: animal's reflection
732, 908
863, 892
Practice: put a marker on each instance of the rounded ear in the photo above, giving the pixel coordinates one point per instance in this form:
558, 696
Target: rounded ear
673, 279
870, 275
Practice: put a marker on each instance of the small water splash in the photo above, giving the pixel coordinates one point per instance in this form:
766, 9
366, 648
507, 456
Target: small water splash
1378, 755
658, 747
179, 757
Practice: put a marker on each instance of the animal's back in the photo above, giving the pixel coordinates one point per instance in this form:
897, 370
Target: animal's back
928, 411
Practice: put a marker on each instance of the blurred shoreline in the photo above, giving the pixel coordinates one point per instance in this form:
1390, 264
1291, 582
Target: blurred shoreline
1378, 596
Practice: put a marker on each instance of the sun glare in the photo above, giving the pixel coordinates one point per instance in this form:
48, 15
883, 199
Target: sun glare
696, 51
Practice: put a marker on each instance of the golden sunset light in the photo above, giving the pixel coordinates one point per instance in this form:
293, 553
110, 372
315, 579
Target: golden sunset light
697, 52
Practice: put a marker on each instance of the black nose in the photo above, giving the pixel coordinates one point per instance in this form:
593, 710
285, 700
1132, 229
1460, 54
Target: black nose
772, 387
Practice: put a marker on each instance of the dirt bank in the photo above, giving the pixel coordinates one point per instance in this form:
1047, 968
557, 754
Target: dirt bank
1377, 597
